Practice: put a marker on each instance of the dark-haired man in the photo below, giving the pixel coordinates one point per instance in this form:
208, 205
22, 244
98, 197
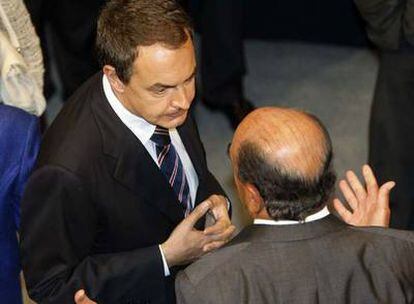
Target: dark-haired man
117, 200
296, 252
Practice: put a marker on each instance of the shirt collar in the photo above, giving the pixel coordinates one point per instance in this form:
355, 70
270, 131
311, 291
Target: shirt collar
313, 217
138, 125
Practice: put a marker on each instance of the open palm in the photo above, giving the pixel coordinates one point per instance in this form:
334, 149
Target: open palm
369, 205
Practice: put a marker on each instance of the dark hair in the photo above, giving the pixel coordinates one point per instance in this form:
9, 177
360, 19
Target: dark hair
123, 25
286, 195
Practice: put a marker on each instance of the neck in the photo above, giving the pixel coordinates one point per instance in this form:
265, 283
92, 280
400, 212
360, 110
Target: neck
263, 215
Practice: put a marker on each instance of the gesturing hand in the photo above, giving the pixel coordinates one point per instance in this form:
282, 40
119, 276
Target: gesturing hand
219, 231
370, 205
186, 244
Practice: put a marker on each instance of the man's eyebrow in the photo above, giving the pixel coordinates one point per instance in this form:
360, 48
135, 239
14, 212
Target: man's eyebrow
158, 86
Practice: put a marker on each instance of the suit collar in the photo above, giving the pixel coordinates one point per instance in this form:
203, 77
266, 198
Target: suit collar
266, 233
313, 217
142, 129
134, 167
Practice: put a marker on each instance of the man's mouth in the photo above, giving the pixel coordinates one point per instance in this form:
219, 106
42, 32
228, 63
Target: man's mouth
176, 114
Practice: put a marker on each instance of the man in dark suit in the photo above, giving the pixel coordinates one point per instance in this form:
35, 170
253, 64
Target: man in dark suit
296, 252
390, 26
222, 58
115, 204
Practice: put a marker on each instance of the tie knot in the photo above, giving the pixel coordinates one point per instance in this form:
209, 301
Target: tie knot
161, 136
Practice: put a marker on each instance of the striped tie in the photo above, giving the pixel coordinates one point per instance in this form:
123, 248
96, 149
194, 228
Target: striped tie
171, 166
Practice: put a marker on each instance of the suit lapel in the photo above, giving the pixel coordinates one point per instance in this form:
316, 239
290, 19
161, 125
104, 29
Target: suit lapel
134, 169
188, 137
137, 171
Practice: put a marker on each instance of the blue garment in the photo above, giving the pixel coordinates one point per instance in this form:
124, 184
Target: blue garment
19, 144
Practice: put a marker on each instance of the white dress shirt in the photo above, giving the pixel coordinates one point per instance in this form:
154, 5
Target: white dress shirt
143, 130
313, 217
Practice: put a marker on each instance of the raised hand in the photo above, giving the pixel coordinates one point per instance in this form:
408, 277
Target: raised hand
186, 244
369, 205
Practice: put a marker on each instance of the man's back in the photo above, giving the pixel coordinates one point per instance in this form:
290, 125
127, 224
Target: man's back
324, 261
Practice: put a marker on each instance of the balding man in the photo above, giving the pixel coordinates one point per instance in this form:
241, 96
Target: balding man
296, 252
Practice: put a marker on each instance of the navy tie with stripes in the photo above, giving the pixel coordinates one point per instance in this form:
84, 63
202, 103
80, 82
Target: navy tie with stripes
171, 166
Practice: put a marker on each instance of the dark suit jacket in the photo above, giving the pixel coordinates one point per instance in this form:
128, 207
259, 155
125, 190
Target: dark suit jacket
324, 261
97, 207
19, 144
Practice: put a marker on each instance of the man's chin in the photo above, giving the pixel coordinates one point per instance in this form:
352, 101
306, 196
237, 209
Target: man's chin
174, 121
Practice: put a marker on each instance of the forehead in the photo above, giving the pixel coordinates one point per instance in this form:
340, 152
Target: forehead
157, 63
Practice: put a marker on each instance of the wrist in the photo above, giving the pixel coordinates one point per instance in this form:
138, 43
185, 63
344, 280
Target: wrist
168, 254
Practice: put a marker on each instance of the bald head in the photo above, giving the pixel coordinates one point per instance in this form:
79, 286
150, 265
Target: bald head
286, 155
295, 140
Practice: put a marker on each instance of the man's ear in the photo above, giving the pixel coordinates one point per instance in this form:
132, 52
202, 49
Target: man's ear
116, 83
254, 200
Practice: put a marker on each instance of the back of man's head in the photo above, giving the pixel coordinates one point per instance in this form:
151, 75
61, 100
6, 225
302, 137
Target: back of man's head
286, 155
125, 25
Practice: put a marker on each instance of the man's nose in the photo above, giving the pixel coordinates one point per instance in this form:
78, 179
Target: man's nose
183, 97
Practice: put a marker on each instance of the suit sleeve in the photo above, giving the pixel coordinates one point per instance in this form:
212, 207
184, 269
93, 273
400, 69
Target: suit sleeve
56, 255
185, 292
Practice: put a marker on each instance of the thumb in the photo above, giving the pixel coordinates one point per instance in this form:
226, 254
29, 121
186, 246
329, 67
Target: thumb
197, 213
80, 296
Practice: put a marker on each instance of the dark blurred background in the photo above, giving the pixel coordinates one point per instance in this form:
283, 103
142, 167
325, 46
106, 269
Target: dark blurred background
318, 21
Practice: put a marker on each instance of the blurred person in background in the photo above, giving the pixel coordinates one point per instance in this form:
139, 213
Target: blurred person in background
21, 62
222, 57
21, 96
67, 30
19, 144
390, 26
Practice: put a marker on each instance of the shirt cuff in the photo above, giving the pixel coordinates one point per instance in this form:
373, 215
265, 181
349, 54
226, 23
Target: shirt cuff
164, 262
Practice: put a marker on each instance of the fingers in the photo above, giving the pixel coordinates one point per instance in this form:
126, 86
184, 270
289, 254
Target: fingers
356, 186
197, 213
224, 235
370, 180
221, 215
348, 194
221, 224
79, 296
344, 213
218, 206
219, 240
384, 195
218, 227
213, 245
217, 200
